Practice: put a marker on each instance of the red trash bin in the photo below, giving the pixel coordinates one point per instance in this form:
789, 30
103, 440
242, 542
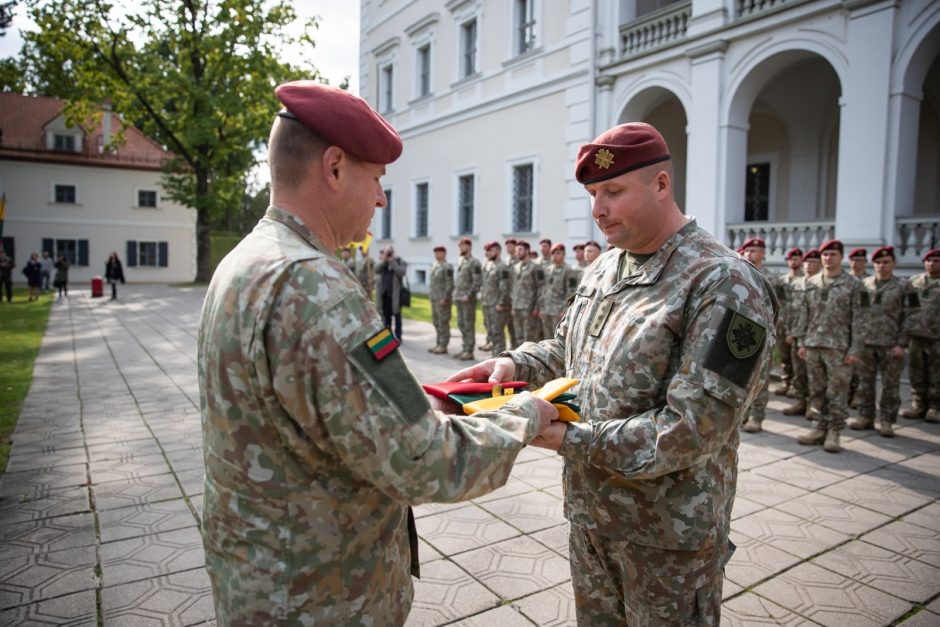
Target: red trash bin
97, 287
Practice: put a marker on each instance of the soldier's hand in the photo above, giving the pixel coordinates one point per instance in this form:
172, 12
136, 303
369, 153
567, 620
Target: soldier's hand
492, 370
897, 352
801, 352
552, 433
851, 360
445, 406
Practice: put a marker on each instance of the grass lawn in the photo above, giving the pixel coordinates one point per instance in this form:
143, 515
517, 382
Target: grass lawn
22, 325
421, 310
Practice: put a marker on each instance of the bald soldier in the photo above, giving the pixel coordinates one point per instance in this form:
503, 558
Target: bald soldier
315, 433
670, 335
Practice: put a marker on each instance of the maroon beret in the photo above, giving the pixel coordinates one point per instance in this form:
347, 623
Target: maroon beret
440, 248
833, 244
465, 240
754, 241
794, 252
619, 150
511, 241
858, 252
340, 118
812, 253
884, 251
933, 252
739, 250
545, 240
592, 243
578, 247
523, 243
558, 246
491, 244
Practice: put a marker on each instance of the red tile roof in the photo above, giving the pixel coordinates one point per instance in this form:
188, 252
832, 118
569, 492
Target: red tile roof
23, 121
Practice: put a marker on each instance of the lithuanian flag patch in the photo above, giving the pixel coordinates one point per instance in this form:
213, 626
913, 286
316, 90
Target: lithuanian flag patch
382, 344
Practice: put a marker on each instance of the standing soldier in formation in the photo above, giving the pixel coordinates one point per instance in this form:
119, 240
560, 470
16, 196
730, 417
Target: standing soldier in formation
511, 261
525, 294
812, 265
441, 292
496, 298
579, 261
922, 330
882, 308
753, 250
466, 287
858, 267
831, 336
365, 271
592, 250
554, 293
545, 247
785, 286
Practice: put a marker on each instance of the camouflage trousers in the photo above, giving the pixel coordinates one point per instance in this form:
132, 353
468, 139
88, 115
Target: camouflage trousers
466, 322
787, 357
440, 316
828, 382
758, 407
924, 367
528, 327
549, 322
495, 323
877, 359
621, 583
511, 327
799, 382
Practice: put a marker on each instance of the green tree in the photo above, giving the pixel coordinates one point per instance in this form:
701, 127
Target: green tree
196, 75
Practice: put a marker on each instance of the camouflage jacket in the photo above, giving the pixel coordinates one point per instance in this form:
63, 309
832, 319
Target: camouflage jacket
555, 290
830, 314
441, 282
496, 288
365, 273
882, 311
922, 307
469, 277
786, 287
526, 278
668, 360
316, 437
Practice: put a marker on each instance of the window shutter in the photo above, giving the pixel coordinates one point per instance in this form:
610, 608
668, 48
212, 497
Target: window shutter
162, 255
9, 247
48, 246
131, 253
83, 252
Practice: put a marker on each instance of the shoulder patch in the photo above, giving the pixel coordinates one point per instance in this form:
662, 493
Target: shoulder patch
913, 300
736, 348
450, 271
864, 299
781, 292
572, 283
504, 274
476, 269
382, 344
391, 377
540, 274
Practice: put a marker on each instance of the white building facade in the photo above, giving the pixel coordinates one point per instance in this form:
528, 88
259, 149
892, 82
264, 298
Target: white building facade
68, 194
792, 120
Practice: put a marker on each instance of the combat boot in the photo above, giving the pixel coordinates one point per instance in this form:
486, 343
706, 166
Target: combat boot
916, 412
861, 423
781, 389
465, 356
439, 350
816, 436
932, 415
752, 425
886, 429
832, 442
486, 347
433, 349
796, 409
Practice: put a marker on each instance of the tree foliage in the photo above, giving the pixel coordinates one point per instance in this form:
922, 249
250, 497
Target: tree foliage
198, 76
6, 15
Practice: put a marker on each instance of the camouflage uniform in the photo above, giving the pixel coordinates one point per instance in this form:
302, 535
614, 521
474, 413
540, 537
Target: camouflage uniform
922, 333
552, 298
525, 296
882, 310
441, 288
314, 445
350, 263
514, 337
467, 284
758, 407
854, 379
496, 290
830, 328
365, 273
786, 287
800, 381
667, 359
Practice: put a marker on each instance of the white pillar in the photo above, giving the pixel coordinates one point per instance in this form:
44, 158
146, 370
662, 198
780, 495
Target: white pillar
710, 15
863, 126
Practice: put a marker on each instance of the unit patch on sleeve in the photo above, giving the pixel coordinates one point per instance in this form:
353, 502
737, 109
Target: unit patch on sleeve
736, 349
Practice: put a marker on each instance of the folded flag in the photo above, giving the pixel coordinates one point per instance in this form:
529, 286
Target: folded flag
445, 389
552, 391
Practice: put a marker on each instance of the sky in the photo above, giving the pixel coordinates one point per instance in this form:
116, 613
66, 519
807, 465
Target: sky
336, 54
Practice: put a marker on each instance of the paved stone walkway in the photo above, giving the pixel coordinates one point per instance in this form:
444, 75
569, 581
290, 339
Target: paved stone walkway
100, 504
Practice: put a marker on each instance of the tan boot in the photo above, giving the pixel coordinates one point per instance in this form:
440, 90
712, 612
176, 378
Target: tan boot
816, 436
796, 409
831, 444
486, 347
915, 412
752, 425
886, 429
780, 390
465, 356
861, 423
440, 350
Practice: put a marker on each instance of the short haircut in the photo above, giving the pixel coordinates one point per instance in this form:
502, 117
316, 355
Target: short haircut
292, 147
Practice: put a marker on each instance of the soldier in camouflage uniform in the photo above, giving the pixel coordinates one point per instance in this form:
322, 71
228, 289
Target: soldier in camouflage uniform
365, 271
496, 298
831, 336
785, 284
555, 291
466, 287
754, 249
316, 435
922, 332
858, 264
882, 309
511, 260
592, 250
669, 335
525, 294
812, 265
440, 293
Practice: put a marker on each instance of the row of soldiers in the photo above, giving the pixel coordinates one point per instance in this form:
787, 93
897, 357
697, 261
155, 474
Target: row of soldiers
523, 295
835, 326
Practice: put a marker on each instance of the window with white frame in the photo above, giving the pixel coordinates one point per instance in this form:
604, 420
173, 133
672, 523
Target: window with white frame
423, 68
385, 229
147, 198
465, 193
64, 194
468, 48
523, 25
522, 188
421, 210
386, 84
